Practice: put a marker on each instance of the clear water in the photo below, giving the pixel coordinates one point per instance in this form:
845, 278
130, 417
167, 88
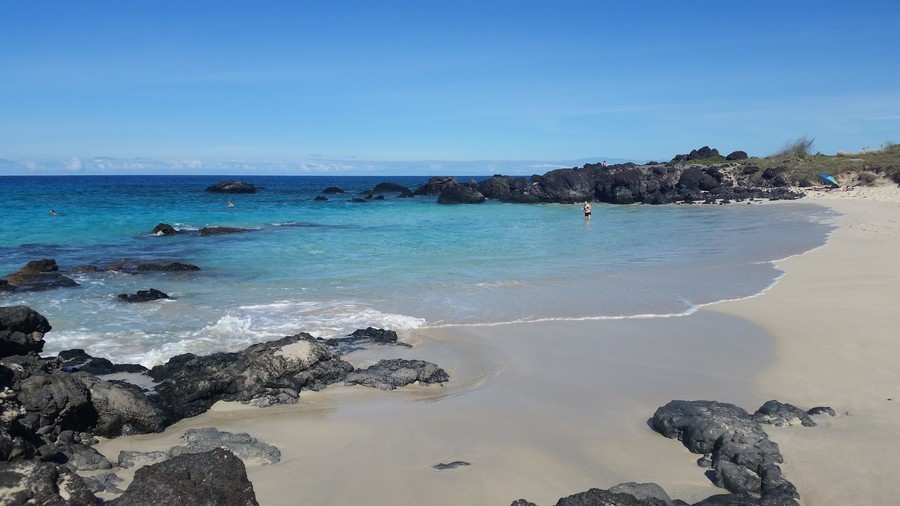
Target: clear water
331, 267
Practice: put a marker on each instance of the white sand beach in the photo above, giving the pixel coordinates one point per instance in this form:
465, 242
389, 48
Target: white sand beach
545, 410
837, 329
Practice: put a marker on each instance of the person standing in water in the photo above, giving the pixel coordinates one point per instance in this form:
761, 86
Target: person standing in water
587, 210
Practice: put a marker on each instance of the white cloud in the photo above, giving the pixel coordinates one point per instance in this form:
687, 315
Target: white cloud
74, 164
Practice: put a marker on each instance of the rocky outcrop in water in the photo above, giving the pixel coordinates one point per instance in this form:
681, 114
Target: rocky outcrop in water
37, 275
164, 229
206, 231
361, 337
688, 178
135, 267
387, 187
22, 331
231, 186
460, 194
648, 184
435, 186
142, 296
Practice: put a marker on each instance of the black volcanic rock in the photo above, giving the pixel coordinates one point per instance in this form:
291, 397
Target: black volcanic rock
22, 331
54, 402
231, 186
142, 296
263, 374
45, 483
780, 414
205, 231
164, 229
388, 187
390, 374
646, 184
333, 190
435, 185
215, 477
505, 188
737, 155
169, 267
703, 153
460, 194
744, 460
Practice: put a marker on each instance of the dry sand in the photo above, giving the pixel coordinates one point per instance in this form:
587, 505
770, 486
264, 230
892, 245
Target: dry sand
836, 321
544, 410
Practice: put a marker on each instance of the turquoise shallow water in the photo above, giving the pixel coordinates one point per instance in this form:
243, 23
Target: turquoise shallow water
331, 267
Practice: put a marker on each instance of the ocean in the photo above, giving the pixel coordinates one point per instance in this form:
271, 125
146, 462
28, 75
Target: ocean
330, 267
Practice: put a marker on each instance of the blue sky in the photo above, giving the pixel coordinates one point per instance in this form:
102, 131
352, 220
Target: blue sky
344, 86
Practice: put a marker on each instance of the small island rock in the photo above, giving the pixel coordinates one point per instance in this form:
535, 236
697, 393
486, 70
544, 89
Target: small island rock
231, 186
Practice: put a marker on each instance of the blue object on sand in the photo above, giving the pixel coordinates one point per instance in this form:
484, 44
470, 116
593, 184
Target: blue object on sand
829, 179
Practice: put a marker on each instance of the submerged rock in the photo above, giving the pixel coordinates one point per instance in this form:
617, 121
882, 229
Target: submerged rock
205, 231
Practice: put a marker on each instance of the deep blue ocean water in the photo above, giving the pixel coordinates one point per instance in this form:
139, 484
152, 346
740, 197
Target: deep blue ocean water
330, 267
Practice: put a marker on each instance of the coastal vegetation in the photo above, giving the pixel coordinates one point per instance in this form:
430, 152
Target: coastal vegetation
796, 163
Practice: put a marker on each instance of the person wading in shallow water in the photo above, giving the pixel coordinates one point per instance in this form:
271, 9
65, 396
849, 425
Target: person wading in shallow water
587, 210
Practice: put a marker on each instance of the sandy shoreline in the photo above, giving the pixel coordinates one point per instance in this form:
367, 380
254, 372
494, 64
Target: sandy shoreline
835, 321
544, 410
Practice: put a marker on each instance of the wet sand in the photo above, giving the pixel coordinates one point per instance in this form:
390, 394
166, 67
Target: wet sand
539, 411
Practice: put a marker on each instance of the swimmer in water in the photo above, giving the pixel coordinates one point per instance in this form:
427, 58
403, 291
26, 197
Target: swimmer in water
587, 210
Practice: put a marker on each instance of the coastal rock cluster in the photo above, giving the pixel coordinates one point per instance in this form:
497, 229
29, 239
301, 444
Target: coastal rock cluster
734, 447
52, 408
627, 183
702, 176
